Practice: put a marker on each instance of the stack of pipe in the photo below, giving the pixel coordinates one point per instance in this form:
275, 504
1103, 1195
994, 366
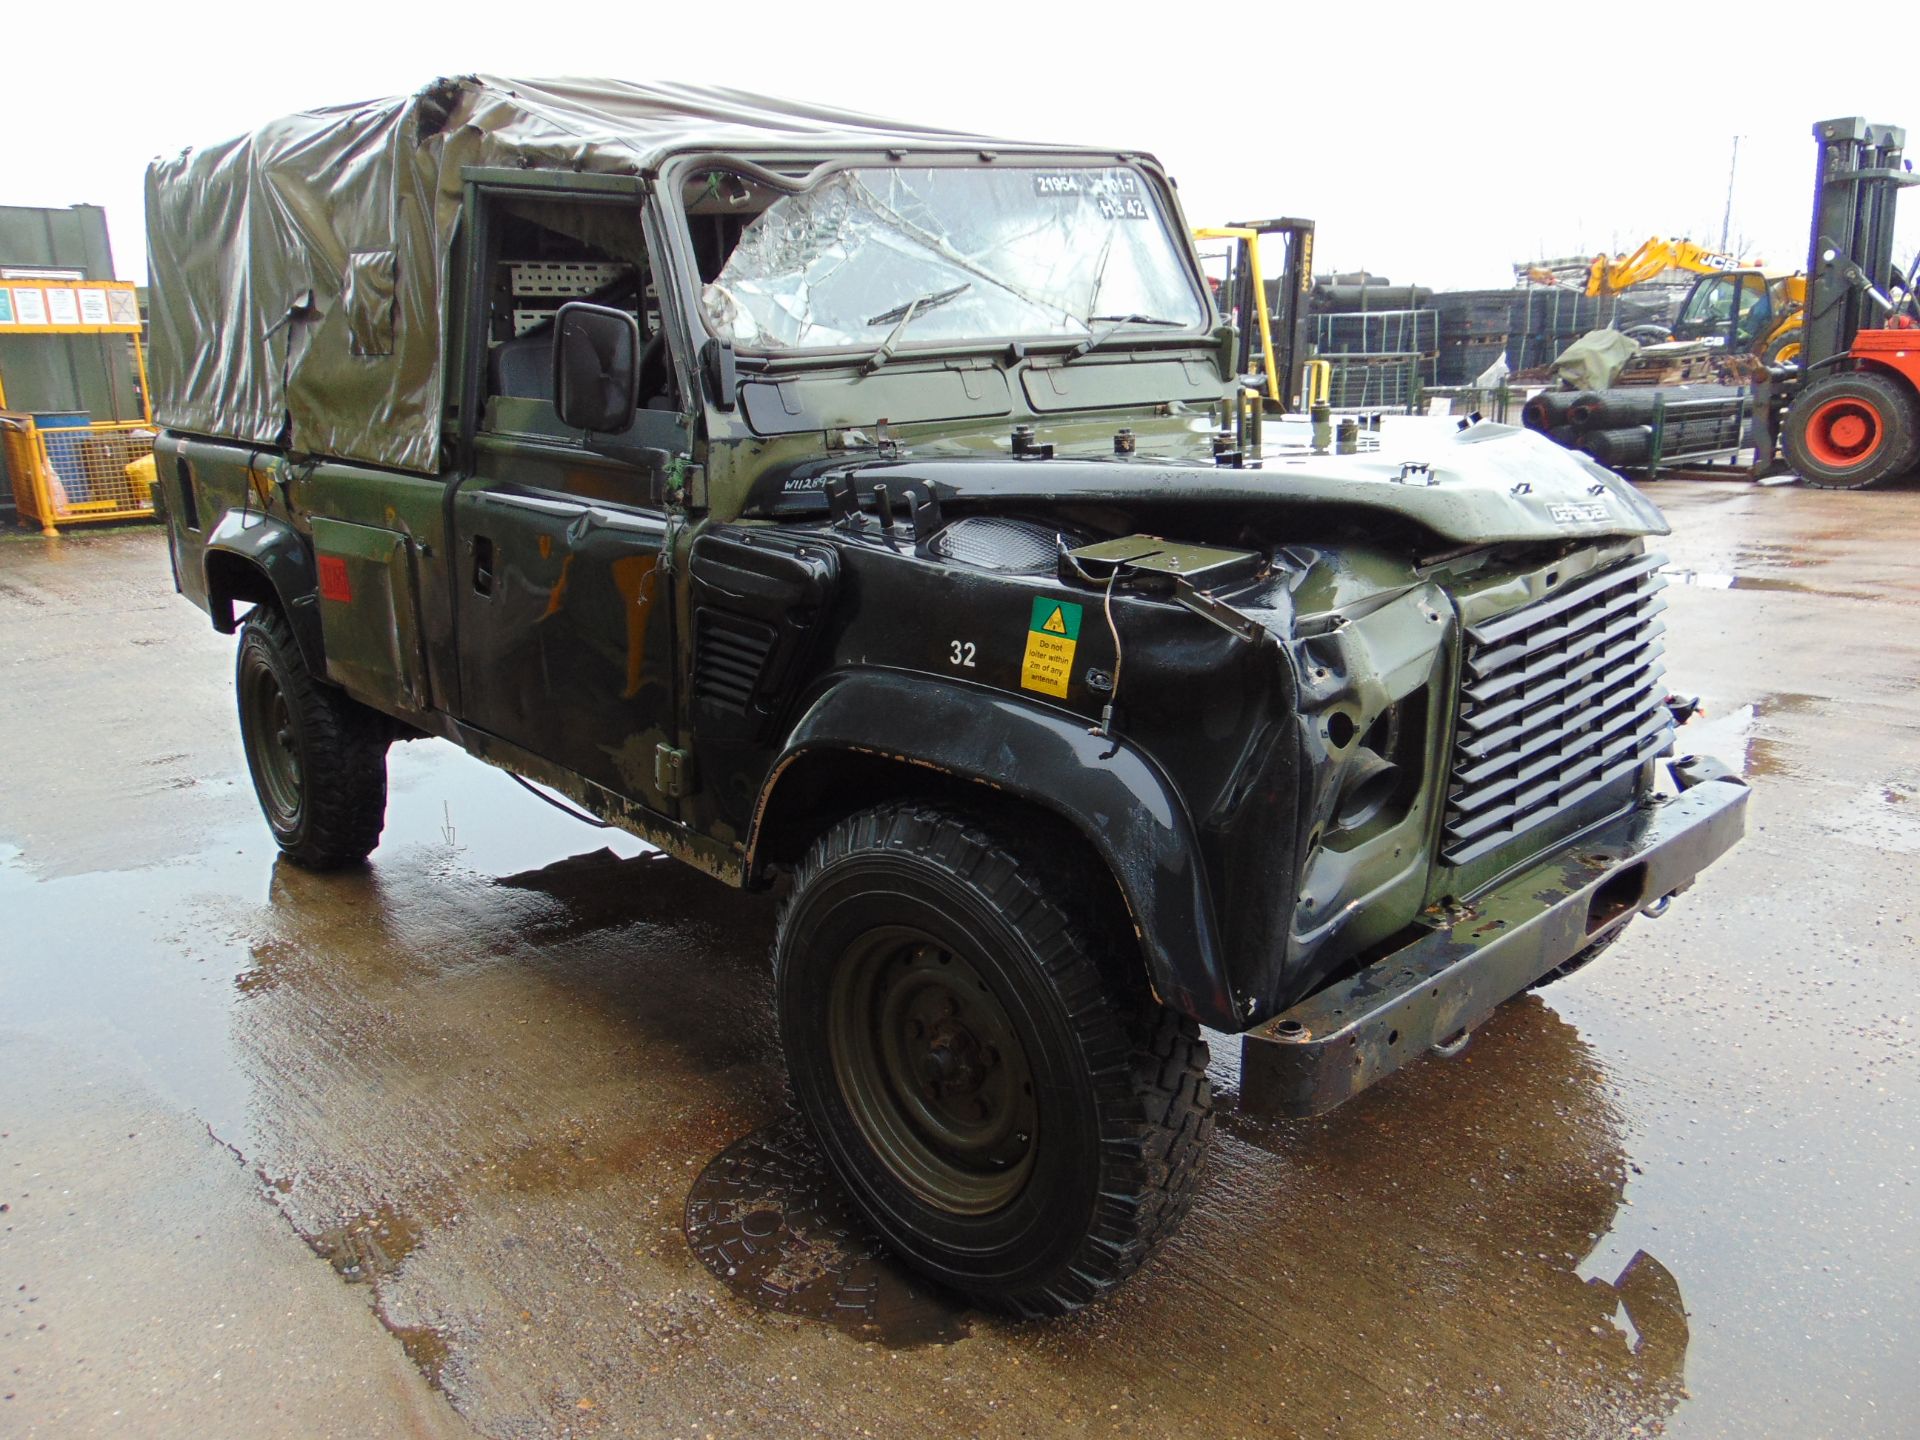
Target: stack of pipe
1616, 426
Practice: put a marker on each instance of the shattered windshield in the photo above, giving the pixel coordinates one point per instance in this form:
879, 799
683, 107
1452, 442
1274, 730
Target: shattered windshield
954, 254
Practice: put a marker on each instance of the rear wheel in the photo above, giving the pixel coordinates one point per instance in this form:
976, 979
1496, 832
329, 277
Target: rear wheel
1783, 349
318, 758
1013, 1122
1848, 431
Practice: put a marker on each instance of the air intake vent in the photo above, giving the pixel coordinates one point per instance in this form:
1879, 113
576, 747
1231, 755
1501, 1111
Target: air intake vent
730, 653
1557, 700
1012, 547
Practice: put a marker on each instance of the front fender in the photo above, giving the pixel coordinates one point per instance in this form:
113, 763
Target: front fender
259, 558
1109, 792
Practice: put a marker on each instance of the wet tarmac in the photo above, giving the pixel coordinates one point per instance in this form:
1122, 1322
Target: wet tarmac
490, 1137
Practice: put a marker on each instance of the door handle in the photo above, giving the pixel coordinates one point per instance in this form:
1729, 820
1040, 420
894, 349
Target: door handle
482, 565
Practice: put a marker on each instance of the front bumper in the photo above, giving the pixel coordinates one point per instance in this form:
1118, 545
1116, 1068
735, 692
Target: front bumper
1338, 1041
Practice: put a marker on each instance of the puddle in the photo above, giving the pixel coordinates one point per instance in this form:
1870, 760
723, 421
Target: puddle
1649, 1315
770, 1222
1733, 736
425, 1346
1733, 580
1760, 552
371, 1247
159, 949
367, 1246
598, 890
1882, 817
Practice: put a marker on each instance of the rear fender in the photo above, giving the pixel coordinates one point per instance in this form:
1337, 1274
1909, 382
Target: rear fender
262, 560
1111, 793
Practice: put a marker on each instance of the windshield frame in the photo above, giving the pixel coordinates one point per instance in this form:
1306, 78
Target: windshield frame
782, 170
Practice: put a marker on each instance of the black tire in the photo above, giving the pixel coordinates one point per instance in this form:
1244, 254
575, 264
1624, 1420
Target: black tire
1783, 349
1848, 431
318, 758
936, 995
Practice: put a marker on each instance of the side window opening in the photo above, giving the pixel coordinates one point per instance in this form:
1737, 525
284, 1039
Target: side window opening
543, 254
1710, 310
1756, 309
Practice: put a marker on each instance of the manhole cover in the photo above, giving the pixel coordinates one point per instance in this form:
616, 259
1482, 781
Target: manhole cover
767, 1218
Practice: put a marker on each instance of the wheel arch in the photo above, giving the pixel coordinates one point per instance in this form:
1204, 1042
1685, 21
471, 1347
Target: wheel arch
259, 560
877, 736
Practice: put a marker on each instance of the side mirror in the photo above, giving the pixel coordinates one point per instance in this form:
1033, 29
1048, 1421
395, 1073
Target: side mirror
723, 379
596, 367
1226, 340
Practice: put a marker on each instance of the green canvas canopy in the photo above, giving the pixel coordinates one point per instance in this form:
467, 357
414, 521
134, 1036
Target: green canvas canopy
299, 273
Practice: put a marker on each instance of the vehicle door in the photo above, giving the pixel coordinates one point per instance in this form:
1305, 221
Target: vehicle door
1732, 307
564, 618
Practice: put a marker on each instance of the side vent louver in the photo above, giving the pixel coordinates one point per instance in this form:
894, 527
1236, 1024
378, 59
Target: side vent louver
729, 657
758, 603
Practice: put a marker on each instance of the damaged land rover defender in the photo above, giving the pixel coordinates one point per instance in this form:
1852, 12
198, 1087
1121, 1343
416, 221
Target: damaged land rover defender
868, 509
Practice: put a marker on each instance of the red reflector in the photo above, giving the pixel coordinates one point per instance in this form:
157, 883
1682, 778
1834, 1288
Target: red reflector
333, 579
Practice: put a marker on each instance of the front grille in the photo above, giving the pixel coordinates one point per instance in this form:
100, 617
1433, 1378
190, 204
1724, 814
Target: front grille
1557, 700
729, 654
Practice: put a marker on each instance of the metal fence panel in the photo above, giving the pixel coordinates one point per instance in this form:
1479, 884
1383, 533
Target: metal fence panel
64, 475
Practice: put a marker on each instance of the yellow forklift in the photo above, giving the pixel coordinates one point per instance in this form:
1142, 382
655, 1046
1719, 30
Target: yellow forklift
1260, 272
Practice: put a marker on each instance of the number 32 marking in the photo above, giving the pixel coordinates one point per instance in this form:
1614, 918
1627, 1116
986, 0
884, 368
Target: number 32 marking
960, 652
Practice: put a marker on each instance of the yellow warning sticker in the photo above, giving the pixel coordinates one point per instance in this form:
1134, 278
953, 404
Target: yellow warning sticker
1053, 634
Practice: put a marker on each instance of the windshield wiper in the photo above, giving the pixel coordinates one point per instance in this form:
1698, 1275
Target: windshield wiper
1119, 323
920, 304
903, 315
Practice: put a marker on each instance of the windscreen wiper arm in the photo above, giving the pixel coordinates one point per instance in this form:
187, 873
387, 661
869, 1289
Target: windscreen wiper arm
903, 315
1119, 323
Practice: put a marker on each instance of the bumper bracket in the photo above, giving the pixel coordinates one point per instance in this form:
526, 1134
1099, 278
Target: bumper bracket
1341, 1039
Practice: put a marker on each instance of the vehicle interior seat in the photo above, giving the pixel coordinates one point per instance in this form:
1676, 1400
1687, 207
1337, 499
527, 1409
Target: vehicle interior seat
523, 366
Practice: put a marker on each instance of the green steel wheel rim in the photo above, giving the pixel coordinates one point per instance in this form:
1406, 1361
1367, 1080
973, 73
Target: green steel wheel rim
933, 1071
272, 740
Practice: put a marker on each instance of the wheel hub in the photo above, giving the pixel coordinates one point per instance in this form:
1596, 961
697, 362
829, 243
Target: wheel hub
955, 1061
267, 723
1844, 432
933, 1071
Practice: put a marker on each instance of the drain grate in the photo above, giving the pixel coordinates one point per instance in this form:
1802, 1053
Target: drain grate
768, 1219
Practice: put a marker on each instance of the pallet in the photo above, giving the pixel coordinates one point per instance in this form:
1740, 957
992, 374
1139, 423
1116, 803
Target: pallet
1678, 362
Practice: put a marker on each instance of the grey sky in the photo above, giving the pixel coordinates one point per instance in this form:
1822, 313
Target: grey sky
1436, 146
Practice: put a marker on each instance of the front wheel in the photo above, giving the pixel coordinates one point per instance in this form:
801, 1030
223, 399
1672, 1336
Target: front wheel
1848, 431
1013, 1122
318, 758
1783, 349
